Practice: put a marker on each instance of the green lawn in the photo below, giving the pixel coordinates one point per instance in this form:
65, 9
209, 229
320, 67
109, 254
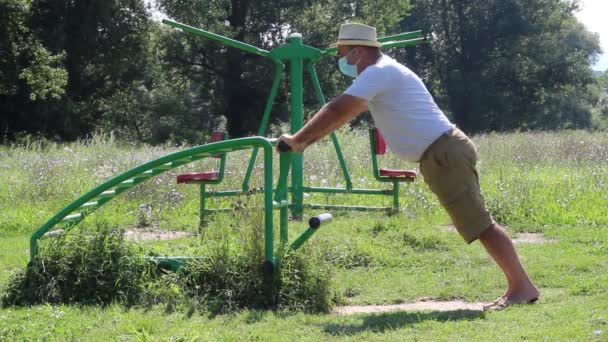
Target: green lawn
549, 183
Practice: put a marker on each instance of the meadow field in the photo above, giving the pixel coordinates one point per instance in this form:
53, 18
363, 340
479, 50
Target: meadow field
549, 185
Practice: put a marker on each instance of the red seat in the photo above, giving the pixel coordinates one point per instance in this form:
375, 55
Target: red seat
398, 173
380, 149
197, 177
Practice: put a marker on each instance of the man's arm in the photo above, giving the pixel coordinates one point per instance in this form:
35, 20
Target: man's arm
329, 118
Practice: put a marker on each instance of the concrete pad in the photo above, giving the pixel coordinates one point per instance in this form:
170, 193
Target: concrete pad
426, 305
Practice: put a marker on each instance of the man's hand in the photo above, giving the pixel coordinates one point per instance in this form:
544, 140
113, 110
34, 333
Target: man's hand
292, 142
331, 117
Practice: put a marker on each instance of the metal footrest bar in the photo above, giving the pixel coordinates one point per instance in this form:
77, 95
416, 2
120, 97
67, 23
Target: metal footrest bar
349, 191
347, 207
227, 193
314, 223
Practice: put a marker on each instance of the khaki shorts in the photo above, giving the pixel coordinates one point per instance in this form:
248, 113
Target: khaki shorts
448, 167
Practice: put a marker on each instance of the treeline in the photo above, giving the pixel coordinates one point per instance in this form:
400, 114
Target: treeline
72, 67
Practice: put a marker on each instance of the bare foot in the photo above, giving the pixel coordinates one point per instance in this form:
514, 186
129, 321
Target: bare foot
510, 297
502, 303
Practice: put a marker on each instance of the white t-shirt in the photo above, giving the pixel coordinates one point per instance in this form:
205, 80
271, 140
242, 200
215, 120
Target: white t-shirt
403, 109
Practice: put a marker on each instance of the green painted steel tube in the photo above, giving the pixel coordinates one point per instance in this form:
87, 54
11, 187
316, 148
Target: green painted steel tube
148, 170
347, 207
348, 191
372, 145
285, 160
225, 193
201, 209
396, 194
224, 40
297, 121
268, 203
283, 227
404, 43
314, 223
315, 81
275, 205
278, 74
229, 193
401, 36
303, 238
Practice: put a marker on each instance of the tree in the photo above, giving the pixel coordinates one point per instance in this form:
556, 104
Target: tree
29, 73
508, 64
104, 47
600, 110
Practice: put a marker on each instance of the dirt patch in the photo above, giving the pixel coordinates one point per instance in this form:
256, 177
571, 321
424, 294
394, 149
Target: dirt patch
423, 305
531, 238
138, 234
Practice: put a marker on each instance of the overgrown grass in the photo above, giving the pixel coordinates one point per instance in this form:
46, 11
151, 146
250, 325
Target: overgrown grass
92, 266
550, 183
97, 266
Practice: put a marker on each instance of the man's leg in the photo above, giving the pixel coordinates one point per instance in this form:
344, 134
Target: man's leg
500, 247
449, 169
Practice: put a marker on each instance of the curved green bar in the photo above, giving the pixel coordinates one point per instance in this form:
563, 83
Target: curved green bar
225, 40
401, 36
92, 200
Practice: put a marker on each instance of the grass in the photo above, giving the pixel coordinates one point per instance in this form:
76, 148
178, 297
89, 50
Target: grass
550, 183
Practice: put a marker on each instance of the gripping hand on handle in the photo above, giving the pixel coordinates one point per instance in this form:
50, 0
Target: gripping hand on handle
289, 140
329, 118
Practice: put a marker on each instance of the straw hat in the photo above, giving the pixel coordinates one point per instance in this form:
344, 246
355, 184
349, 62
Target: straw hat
357, 34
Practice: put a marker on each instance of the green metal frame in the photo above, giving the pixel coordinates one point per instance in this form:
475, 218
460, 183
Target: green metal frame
85, 205
300, 57
75, 212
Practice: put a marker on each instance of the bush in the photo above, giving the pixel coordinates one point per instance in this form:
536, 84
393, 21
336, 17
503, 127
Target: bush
92, 266
98, 267
304, 284
229, 279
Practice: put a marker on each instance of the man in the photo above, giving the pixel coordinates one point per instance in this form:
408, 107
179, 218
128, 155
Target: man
418, 131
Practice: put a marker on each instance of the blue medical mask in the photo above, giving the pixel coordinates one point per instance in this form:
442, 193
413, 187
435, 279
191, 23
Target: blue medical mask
347, 69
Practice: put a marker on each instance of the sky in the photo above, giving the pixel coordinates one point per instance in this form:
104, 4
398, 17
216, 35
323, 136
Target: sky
594, 15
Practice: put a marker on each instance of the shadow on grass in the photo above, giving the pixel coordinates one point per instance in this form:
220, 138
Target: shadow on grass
379, 323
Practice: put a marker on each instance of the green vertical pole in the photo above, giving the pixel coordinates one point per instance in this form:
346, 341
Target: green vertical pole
396, 195
201, 213
269, 264
268, 207
278, 73
297, 121
315, 81
285, 161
